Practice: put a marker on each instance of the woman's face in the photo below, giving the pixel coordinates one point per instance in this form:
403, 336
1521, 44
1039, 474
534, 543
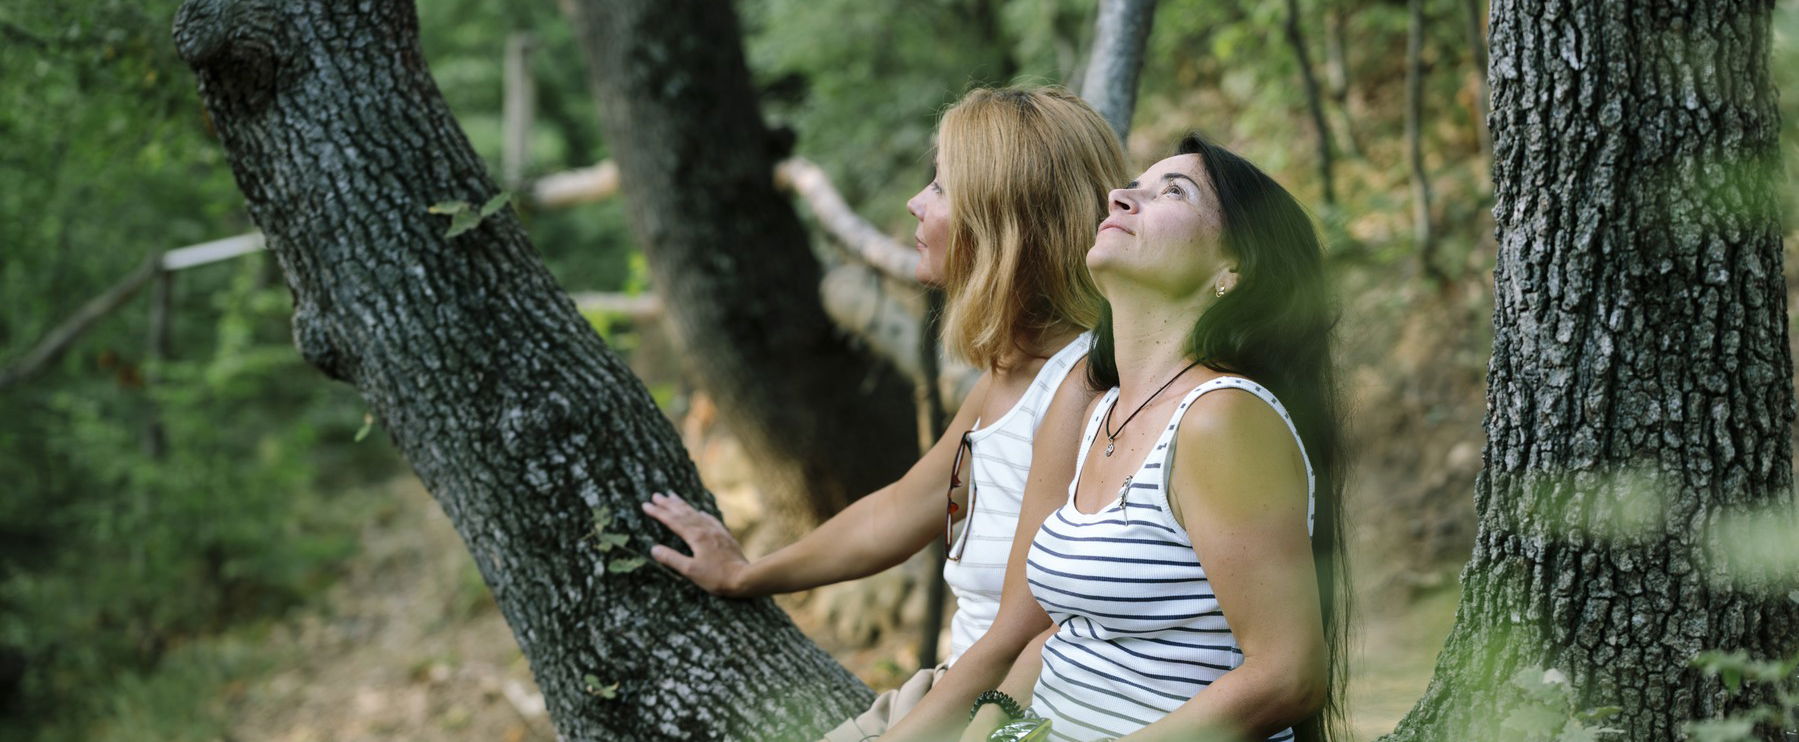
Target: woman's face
1164, 231
931, 238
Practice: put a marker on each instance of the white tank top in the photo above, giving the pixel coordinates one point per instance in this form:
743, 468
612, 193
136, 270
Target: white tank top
1139, 631
1001, 465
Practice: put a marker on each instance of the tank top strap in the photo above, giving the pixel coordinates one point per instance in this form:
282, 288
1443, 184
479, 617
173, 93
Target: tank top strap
1165, 445
1099, 412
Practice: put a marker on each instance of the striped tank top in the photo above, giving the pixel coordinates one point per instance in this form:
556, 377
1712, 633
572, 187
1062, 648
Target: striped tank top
1139, 630
1001, 462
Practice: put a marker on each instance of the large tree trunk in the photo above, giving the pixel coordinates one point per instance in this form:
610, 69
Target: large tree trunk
1640, 391
513, 412
825, 422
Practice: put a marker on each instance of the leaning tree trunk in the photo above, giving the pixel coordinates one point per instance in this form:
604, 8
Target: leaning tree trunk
1640, 394
514, 413
824, 421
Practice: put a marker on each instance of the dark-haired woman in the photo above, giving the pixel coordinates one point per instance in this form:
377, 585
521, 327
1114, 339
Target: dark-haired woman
1192, 574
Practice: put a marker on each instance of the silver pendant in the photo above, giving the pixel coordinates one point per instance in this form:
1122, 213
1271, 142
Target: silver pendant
1109, 446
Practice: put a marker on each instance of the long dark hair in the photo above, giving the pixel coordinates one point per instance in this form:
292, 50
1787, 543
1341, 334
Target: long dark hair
1274, 326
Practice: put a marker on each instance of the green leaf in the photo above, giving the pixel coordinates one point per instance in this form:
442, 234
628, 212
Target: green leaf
601, 519
449, 207
1539, 684
1732, 676
1765, 671
1577, 732
606, 542
1534, 722
1601, 713
625, 565
496, 203
462, 221
592, 683
1720, 730
368, 422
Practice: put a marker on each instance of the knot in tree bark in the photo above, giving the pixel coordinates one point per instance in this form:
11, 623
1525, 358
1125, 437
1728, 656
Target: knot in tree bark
236, 43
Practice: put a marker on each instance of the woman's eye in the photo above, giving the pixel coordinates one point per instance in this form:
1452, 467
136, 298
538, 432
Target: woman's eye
935, 188
1173, 190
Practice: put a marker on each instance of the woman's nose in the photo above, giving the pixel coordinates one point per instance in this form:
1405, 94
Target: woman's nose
1122, 200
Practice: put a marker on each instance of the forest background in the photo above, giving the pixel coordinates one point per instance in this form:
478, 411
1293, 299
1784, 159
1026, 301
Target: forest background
207, 542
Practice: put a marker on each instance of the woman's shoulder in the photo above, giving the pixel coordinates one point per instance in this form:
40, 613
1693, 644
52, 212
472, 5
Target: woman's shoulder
1075, 394
1235, 415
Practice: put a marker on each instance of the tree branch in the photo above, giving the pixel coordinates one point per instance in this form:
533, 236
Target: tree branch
862, 240
1119, 35
58, 340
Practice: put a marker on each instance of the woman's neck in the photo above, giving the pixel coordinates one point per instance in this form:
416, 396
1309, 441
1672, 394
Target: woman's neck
1149, 341
1027, 349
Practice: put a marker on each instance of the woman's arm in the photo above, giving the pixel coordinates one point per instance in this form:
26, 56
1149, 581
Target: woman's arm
1019, 683
1239, 488
943, 711
872, 534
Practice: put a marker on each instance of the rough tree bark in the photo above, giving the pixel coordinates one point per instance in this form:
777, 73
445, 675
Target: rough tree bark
1314, 100
508, 406
826, 422
1110, 84
1640, 388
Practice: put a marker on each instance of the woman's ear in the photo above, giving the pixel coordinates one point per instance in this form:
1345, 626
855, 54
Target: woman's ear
1227, 280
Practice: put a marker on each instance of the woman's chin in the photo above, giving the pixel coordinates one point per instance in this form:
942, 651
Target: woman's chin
1105, 258
925, 275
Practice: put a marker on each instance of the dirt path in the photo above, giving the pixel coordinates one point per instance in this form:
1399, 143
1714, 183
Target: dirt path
407, 646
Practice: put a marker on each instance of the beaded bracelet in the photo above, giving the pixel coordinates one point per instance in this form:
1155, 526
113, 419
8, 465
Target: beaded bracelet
1005, 702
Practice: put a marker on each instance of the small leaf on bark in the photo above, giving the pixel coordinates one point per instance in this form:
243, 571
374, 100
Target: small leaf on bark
462, 221
496, 203
449, 207
592, 683
626, 564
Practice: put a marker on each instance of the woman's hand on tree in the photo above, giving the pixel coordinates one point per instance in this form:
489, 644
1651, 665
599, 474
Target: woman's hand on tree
717, 565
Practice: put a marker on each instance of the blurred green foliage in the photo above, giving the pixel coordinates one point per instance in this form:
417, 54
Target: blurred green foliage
115, 560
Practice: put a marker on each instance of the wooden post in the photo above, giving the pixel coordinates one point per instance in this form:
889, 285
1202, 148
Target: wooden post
520, 106
931, 419
157, 351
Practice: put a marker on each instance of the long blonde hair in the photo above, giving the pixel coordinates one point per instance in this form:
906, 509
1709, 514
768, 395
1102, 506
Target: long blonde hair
1027, 173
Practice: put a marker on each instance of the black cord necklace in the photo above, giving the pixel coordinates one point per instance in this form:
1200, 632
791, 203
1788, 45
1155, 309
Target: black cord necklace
1112, 436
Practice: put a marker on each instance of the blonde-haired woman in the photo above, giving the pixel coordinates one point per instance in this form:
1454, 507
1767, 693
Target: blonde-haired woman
1021, 177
